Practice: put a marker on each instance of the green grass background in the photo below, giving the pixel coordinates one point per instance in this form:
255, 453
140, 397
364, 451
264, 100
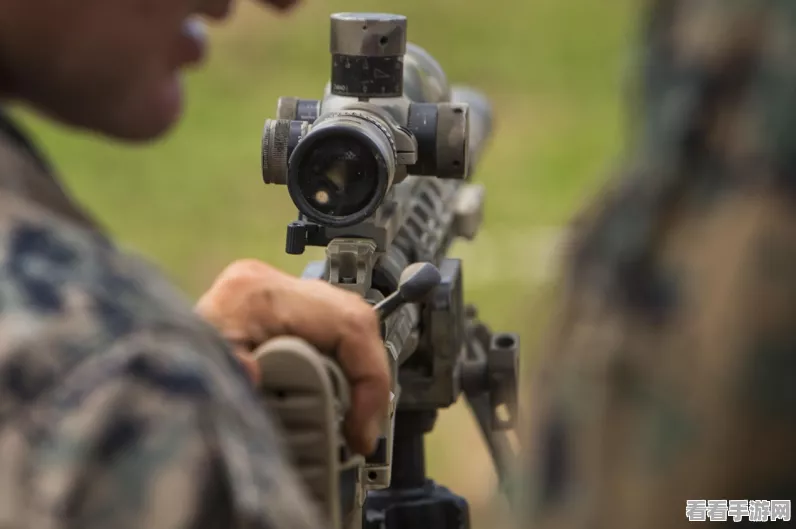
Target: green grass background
556, 72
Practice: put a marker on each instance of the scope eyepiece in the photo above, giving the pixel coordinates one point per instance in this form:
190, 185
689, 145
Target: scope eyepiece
340, 172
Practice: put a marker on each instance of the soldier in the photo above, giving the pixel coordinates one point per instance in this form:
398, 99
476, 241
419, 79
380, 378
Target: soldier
667, 385
121, 406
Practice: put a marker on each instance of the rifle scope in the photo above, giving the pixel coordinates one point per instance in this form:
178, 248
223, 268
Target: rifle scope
339, 157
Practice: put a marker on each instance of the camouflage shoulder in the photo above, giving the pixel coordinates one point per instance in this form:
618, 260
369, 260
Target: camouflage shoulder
673, 353
118, 407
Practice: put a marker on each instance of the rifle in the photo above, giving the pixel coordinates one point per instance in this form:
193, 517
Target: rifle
379, 172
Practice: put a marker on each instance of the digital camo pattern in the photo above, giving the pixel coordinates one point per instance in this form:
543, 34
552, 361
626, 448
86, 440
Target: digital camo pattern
118, 408
670, 371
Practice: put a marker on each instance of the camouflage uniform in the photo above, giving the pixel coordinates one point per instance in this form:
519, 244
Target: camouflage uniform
118, 408
670, 371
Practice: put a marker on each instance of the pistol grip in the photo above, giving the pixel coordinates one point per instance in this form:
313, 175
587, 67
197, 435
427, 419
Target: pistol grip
308, 395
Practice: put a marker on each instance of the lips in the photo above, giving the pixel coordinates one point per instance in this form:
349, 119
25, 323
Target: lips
193, 41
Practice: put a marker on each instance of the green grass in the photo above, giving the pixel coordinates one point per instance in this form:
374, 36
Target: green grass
556, 73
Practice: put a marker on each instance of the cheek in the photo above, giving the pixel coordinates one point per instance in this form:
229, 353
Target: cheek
124, 46
141, 41
114, 66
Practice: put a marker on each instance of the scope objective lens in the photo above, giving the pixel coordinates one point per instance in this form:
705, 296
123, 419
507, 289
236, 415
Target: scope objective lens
341, 171
339, 176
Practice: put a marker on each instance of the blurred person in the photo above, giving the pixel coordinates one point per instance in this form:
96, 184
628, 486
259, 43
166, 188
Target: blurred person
670, 370
121, 405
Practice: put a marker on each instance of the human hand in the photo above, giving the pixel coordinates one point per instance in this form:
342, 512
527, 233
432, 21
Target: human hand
251, 302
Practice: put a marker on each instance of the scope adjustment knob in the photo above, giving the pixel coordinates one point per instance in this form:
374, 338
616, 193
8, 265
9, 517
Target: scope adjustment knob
296, 238
276, 137
367, 54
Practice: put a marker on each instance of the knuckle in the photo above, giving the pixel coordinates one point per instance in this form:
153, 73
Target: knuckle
370, 319
383, 383
246, 276
360, 317
245, 268
242, 283
319, 285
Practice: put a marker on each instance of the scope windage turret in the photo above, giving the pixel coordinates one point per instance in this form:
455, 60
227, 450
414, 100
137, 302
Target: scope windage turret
340, 156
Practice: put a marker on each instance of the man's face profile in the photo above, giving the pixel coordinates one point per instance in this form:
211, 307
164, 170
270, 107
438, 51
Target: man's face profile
113, 66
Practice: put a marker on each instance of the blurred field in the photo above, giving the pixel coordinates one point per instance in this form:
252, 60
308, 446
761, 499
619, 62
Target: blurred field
555, 70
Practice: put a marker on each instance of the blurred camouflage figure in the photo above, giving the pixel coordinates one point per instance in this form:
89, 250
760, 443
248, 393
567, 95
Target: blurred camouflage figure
670, 371
119, 406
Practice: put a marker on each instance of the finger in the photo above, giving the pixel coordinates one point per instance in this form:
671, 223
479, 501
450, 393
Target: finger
363, 357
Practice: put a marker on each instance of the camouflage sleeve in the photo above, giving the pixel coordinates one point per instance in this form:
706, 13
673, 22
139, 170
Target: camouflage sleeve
670, 370
118, 408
